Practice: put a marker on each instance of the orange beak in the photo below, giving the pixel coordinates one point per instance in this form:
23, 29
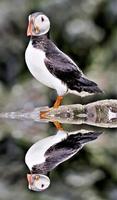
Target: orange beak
29, 178
29, 29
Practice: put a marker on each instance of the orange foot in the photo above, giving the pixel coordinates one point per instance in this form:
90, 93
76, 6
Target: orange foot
58, 102
43, 114
58, 125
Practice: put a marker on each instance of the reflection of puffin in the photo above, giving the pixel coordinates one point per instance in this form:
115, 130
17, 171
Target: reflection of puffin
49, 152
51, 66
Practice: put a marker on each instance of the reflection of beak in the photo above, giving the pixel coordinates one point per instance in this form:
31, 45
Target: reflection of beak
29, 30
29, 178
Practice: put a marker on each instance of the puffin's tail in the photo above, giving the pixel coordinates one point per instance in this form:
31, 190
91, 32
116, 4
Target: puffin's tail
83, 84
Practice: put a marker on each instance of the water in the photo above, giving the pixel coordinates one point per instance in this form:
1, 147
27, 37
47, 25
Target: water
81, 159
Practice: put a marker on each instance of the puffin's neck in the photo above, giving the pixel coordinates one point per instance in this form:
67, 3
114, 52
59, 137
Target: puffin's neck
40, 169
40, 42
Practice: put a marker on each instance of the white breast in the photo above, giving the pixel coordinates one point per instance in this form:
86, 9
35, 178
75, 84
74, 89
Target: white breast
35, 155
35, 62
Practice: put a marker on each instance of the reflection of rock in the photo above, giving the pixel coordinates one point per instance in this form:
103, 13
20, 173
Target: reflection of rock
100, 113
105, 113
112, 113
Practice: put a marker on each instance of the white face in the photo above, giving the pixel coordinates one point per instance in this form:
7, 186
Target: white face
39, 182
39, 24
42, 23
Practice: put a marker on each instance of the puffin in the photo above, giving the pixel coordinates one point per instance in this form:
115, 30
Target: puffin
46, 154
50, 66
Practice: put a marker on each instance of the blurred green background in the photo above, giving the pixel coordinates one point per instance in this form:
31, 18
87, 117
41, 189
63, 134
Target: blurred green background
87, 31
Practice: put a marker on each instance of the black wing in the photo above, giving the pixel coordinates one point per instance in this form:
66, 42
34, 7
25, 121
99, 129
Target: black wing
62, 67
64, 150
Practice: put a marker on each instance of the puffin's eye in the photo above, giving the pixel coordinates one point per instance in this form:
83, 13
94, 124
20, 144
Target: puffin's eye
42, 185
42, 19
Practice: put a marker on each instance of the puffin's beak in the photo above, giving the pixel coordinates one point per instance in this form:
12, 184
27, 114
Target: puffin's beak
29, 178
29, 29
